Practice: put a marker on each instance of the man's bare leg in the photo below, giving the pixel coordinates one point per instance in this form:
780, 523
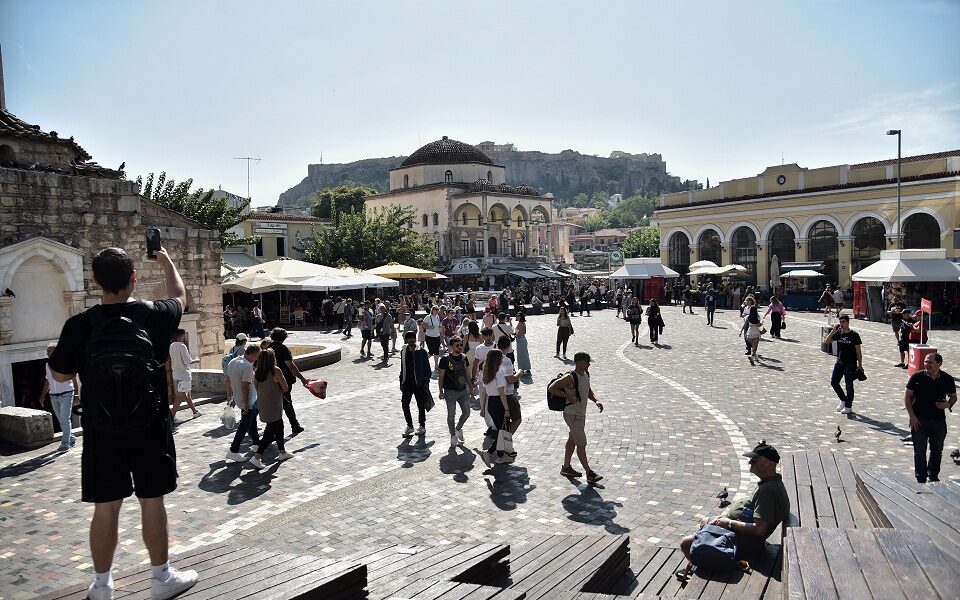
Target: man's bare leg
153, 516
103, 534
582, 455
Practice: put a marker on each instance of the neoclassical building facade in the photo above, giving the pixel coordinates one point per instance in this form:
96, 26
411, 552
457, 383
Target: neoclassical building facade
841, 216
462, 201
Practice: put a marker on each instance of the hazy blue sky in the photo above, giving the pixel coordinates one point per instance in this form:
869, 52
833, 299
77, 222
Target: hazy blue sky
721, 89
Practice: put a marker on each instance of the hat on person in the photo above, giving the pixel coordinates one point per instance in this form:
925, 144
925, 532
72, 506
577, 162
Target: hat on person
241, 337
765, 450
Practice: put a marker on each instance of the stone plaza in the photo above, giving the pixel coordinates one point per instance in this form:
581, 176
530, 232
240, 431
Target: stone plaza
676, 420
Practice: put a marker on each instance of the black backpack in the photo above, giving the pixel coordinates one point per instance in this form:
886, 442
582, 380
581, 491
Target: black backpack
120, 393
558, 403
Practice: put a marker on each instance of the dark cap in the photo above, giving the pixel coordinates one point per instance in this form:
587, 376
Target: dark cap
765, 450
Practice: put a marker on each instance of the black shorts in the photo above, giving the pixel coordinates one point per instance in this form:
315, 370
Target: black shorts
366, 334
433, 345
904, 343
114, 467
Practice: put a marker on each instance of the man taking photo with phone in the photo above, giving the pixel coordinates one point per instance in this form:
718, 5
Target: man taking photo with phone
118, 348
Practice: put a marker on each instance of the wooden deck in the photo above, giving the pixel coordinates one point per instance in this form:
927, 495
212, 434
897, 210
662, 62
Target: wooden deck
932, 509
825, 492
879, 563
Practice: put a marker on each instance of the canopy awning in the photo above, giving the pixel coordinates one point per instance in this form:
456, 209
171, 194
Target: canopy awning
646, 270
549, 273
573, 271
464, 267
347, 281
525, 274
296, 270
397, 271
800, 266
910, 265
801, 273
259, 282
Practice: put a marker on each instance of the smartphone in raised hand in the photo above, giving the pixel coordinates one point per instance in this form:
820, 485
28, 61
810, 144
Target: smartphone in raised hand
153, 242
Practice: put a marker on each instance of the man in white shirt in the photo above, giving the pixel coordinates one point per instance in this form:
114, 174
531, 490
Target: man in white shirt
241, 374
180, 361
838, 300
63, 395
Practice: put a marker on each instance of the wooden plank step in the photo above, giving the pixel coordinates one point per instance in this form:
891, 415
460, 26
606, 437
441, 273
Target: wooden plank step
597, 560
409, 588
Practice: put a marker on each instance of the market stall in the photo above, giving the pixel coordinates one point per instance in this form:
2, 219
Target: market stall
908, 276
650, 271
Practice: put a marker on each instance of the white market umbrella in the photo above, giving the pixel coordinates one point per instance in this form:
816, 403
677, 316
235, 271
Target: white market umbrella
347, 281
701, 264
296, 270
259, 282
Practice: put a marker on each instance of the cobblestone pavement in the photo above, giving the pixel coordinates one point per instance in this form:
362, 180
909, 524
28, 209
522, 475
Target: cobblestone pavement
676, 419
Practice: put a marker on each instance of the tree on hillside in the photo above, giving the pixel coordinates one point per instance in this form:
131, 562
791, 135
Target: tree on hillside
642, 242
596, 222
365, 240
581, 200
346, 197
631, 212
213, 213
599, 200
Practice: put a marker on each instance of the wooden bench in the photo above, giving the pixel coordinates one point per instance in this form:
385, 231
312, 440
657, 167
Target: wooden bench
242, 572
406, 588
932, 509
652, 576
825, 492
876, 563
557, 564
479, 564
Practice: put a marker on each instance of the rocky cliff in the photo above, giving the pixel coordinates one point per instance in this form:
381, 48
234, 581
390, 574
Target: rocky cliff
564, 175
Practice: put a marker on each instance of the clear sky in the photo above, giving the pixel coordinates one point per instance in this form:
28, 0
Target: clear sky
720, 89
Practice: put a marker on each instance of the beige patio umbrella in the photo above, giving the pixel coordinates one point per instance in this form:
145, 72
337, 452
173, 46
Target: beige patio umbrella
296, 270
259, 282
397, 271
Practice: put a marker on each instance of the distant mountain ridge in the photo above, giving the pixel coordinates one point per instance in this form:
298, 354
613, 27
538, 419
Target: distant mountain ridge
564, 174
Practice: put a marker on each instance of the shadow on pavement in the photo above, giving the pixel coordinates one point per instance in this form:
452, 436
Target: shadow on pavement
32, 464
509, 487
457, 462
882, 426
416, 452
239, 481
589, 507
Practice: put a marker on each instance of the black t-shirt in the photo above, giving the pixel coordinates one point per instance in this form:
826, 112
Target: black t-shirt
283, 355
455, 372
846, 346
711, 298
161, 324
927, 391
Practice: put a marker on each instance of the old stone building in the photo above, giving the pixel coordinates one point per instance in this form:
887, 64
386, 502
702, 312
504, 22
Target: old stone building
56, 210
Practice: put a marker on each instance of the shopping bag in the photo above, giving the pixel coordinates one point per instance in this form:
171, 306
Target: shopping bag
318, 387
504, 441
229, 417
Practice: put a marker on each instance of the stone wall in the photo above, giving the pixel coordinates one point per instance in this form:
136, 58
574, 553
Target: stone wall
88, 214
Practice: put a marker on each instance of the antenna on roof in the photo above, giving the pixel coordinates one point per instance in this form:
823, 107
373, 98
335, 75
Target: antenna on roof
248, 159
781, 158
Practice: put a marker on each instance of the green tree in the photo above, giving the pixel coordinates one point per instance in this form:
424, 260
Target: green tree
599, 200
213, 213
581, 200
633, 211
367, 239
345, 197
642, 242
596, 222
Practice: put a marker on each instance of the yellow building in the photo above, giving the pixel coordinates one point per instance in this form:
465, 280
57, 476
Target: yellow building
842, 216
278, 237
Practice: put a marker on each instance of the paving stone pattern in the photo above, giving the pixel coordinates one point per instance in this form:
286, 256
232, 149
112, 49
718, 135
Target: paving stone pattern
665, 444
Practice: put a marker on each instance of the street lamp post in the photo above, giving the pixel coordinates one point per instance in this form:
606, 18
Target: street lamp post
896, 132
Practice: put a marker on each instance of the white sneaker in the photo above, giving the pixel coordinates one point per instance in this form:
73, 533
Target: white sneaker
460, 435
454, 441
408, 432
421, 430
175, 583
284, 456
256, 462
236, 457
839, 406
846, 410
104, 592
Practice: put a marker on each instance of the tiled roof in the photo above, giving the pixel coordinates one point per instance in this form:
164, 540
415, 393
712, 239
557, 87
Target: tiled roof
14, 126
265, 216
446, 152
906, 159
825, 188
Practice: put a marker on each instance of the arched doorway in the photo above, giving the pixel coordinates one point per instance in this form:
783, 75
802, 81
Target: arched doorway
782, 243
492, 246
921, 231
709, 247
744, 243
678, 257
869, 238
823, 247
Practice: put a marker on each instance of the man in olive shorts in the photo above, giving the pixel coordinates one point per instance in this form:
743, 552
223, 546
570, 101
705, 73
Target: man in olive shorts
575, 386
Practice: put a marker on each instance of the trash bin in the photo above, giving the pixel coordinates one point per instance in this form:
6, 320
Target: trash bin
918, 352
824, 346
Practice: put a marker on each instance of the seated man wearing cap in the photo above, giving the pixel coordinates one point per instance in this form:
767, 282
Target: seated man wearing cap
754, 516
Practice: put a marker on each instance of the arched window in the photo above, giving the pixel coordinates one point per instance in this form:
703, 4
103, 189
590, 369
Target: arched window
7, 155
921, 231
406, 181
869, 238
448, 177
823, 247
783, 243
679, 253
489, 176
426, 220
436, 219
479, 247
709, 246
492, 246
745, 252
